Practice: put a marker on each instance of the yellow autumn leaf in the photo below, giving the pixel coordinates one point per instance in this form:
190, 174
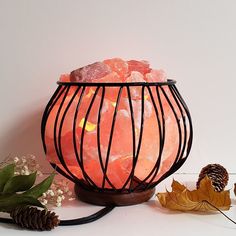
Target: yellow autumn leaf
205, 198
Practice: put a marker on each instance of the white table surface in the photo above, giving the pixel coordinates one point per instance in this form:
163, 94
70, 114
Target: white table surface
145, 219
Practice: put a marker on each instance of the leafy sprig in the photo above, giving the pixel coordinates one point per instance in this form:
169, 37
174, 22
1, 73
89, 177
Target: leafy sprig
19, 190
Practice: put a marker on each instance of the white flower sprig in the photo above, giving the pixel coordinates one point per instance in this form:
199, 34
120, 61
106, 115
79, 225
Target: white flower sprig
60, 189
25, 165
58, 192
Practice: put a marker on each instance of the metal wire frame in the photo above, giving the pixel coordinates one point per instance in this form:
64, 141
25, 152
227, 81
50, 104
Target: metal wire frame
132, 184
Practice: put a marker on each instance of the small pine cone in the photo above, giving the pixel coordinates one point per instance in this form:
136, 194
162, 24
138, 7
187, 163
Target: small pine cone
34, 219
218, 175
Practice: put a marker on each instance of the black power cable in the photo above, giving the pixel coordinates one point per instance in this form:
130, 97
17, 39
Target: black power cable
78, 221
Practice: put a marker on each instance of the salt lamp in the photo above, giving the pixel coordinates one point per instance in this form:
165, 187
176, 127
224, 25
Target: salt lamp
116, 128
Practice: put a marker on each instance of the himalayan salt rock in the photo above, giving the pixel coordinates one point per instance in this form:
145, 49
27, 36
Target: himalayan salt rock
90, 139
170, 148
52, 117
150, 141
121, 140
66, 131
69, 117
91, 72
137, 109
118, 171
112, 77
150, 147
165, 92
171, 137
75, 170
67, 148
156, 76
149, 152
135, 91
111, 92
85, 104
121, 150
122, 136
90, 133
65, 78
90, 166
90, 126
135, 76
119, 66
171, 128
51, 151
140, 66
143, 168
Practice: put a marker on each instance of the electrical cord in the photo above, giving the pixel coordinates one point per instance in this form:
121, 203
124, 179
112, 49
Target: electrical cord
78, 221
88, 219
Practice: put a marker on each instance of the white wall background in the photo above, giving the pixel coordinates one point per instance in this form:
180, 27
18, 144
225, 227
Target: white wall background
194, 41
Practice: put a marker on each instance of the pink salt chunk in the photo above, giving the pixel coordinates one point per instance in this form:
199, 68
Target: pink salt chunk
122, 136
90, 73
135, 91
135, 77
111, 93
111, 77
156, 76
119, 66
140, 66
144, 168
119, 170
65, 78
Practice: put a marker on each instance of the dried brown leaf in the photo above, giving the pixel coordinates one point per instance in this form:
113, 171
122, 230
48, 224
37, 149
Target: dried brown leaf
205, 198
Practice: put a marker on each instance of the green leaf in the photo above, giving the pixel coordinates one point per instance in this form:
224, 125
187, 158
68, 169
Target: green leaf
40, 188
5, 174
19, 183
8, 203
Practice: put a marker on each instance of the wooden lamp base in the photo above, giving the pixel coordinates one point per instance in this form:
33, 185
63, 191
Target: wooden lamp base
111, 198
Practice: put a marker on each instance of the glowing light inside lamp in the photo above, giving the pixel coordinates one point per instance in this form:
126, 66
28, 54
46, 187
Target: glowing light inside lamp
88, 126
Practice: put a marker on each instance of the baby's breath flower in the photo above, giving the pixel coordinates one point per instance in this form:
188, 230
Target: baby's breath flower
59, 191
60, 188
59, 199
71, 199
16, 159
44, 202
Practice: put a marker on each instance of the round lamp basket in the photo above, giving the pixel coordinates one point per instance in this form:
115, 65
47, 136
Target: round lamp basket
116, 141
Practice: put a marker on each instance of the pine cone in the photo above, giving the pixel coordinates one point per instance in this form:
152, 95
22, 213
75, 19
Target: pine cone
35, 219
218, 175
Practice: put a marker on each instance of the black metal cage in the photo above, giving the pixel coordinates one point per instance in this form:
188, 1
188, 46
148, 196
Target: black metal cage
84, 160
